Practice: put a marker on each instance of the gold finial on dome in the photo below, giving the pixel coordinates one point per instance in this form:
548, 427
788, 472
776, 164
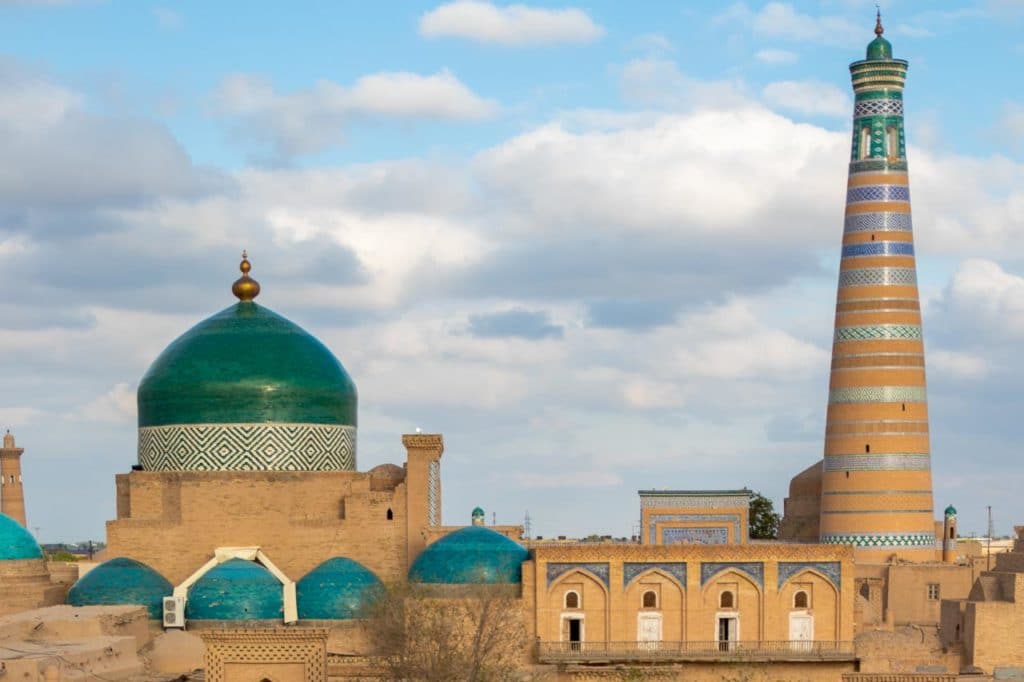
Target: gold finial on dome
878, 21
245, 287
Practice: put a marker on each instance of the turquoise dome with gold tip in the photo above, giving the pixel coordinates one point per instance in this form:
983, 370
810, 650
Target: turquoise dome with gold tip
16, 543
247, 389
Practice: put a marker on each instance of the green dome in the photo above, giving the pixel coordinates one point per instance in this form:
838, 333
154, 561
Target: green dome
879, 48
470, 555
16, 542
122, 581
950, 510
477, 511
246, 365
236, 590
337, 589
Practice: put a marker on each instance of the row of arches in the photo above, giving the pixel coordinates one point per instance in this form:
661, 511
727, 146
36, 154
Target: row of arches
654, 606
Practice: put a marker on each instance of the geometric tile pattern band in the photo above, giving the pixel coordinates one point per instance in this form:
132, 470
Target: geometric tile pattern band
880, 540
631, 571
886, 462
878, 107
878, 394
876, 276
877, 193
878, 249
882, 221
878, 331
434, 493
654, 519
829, 569
754, 569
598, 569
695, 536
248, 447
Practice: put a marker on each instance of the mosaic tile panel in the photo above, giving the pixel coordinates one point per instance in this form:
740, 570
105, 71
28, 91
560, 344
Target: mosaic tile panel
877, 193
692, 502
873, 165
879, 221
878, 107
878, 394
886, 462
878, 249
248, 447
694, 536
599, 569
655, 519
869, 332
754, 569
864, 277
434, 493
830, 569
880, 540
631, 571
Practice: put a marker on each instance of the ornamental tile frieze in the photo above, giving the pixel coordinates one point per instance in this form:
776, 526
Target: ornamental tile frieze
600, 570
753, 569
633, 570
830, 569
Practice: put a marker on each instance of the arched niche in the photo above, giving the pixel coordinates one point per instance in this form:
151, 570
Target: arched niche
746, 610
671, 604
592, 610
822, 604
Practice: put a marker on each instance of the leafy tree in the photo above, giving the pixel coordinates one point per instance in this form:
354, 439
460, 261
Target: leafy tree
764, 522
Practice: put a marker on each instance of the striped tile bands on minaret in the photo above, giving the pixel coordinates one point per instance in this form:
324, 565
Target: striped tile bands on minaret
876, 486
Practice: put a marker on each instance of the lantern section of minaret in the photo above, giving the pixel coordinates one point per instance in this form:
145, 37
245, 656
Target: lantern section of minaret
876, 485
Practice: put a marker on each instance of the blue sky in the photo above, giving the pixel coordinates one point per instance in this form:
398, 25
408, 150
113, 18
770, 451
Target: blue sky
595, 245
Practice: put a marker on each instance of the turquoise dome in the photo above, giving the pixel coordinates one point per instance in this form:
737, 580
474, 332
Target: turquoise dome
16, 542
236, 590
470, 555
246, 365
950, 510
122, 581
337, 589
879, 48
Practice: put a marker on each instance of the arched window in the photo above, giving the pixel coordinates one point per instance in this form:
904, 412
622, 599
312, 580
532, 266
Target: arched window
572, 599
726, 600
865, 142
650, 599
391, 515
800, 600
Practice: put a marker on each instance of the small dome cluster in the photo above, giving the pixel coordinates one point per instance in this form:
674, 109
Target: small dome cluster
122, 581
16, 543
471, 555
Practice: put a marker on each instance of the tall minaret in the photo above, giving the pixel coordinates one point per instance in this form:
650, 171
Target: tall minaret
12, 495
876, 481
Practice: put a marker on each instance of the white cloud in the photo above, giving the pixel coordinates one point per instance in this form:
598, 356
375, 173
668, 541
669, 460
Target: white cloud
960, 365
509, 25
309, 120
658, 82
782, 20
116, 405
808, 98
776, 56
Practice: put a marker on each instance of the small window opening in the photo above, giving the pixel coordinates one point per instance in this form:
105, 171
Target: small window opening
847, 474
800, 600
391, 515
952, 532
865, 142
872, 237
892, 143
650, 600
572, 600
867, 448
933, 591
726, 601
904, 406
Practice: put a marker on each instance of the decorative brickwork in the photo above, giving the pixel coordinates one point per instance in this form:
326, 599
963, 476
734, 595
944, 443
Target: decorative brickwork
267, 651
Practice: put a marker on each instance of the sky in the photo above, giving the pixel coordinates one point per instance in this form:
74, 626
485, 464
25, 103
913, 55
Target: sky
594, 245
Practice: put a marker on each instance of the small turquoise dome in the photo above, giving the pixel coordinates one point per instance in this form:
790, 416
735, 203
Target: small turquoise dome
470, 555
337, 589
246, 365
879, 48
16, 542
122, 581
236, 590
950, 510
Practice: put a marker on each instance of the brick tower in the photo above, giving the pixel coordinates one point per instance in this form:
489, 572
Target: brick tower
12, 495
876, 485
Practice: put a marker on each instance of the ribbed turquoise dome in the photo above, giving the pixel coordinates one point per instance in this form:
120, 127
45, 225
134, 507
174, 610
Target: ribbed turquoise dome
122, 581
246, 365
470, 555
16, 542
337, 589
236, 590
950, 510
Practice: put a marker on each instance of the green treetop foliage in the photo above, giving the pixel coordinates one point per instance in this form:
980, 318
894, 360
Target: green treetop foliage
764, 522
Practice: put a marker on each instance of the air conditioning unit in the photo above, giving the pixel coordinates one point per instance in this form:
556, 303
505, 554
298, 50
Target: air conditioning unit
174, 612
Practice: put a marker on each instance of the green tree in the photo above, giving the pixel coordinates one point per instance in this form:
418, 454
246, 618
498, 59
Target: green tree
764, 522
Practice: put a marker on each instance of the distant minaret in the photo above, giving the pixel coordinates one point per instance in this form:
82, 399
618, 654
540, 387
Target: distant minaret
949, 535
877, 484
12, 495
